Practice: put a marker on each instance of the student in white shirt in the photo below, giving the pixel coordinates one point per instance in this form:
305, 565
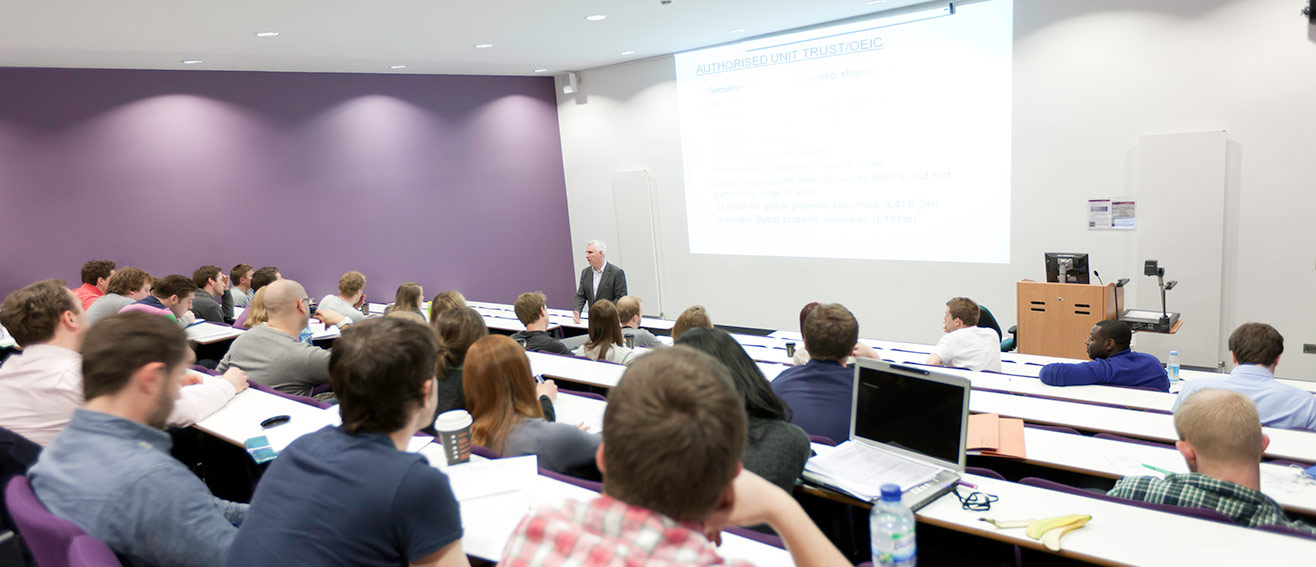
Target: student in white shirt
966, 345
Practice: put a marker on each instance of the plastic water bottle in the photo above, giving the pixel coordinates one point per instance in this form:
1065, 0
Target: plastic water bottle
1172, 366
305, 336
891, 524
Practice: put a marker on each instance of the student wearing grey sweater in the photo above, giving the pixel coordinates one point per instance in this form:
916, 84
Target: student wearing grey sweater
272, 355
775, 449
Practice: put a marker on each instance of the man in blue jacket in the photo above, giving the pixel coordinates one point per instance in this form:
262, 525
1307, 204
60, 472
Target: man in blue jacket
1113, 363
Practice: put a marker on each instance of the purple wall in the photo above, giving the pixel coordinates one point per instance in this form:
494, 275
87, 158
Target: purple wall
452, 181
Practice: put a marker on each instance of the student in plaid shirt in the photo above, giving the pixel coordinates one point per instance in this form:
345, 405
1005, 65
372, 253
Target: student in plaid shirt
673, 434
1220, 437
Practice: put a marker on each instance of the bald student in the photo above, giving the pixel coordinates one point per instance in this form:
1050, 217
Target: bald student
272, 355
1221, 439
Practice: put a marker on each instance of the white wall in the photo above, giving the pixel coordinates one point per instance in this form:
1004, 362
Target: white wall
1090, 77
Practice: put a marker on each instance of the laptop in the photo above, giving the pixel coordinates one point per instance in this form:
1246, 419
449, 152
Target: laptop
905, 422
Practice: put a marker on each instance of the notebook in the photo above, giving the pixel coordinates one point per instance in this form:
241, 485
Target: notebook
908, 426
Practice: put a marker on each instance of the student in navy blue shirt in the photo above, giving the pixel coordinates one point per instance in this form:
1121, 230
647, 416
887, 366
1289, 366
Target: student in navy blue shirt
1113, 363
352, 495
819, 392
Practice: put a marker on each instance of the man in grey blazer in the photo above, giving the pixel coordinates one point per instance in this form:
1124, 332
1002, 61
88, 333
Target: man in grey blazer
599, 280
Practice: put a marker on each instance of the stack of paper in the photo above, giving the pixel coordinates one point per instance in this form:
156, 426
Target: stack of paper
991, 435
862, 470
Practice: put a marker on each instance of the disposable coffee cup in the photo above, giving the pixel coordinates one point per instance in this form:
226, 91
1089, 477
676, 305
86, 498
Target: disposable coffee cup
454, 429
630, 341
790, 349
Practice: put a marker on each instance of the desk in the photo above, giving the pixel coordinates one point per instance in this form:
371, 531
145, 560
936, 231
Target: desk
575, 410
1114, 459
210, 333
240, 418
572, 369
1284, 443
1117, 534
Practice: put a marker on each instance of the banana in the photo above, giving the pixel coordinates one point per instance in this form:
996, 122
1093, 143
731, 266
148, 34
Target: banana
1051, 538
1004, 524
1038, 527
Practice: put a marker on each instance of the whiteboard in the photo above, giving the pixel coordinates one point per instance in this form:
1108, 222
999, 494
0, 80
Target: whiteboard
637, 249
1181, 222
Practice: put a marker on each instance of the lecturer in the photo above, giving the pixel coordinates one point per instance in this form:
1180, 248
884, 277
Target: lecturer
600, 280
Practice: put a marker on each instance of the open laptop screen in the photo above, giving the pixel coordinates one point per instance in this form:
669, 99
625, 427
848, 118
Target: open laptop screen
915, 413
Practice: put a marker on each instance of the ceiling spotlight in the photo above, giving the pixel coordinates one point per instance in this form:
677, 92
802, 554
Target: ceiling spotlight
737, 30
628, 52
596, 17
871, 2
395, 67
483, 45
192, 61
267, 34
541, 70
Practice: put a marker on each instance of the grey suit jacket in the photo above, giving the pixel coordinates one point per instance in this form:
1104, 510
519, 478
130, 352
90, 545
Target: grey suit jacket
611, 288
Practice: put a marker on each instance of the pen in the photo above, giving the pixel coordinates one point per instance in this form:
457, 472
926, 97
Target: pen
1157, 469
970, 485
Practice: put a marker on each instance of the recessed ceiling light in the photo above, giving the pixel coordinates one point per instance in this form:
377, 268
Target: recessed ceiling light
397, 66
876, 1
483, 45
541, 70
267, 34
737, 30
192, 61
628, 52
596, 17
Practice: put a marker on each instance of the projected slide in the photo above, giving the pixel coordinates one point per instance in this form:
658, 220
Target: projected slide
881, 139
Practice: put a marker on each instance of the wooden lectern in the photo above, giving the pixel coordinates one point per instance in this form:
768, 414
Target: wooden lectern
1055, 318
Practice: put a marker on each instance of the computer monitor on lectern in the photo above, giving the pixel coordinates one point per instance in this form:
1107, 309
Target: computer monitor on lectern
1067, 267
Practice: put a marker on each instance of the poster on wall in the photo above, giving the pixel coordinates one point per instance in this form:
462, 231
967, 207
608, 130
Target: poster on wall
1111, 214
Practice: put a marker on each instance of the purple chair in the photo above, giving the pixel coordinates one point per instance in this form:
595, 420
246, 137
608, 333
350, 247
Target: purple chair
1055, 428
983, 471
590, 395
1113, 437
322, 388
819, 439
1200, 513
48, 536
204, 370
485, 452
303, 399
1288, 531
242, 319
586, 484
768, 539
91, 552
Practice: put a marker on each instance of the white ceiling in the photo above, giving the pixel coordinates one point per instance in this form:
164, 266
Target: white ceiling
368, 36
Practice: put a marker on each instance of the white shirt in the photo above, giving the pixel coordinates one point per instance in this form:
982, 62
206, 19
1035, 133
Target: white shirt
975, 348
598, 277
40, 388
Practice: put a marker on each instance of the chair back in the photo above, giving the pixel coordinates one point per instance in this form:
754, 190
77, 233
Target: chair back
1055, 428
766, 539
1113, 437
987, 321
819, 439
87, 551
1201, 513
593, 485
983, 471
48, 536
17, 453
1288, 531
584, 394
303, 399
